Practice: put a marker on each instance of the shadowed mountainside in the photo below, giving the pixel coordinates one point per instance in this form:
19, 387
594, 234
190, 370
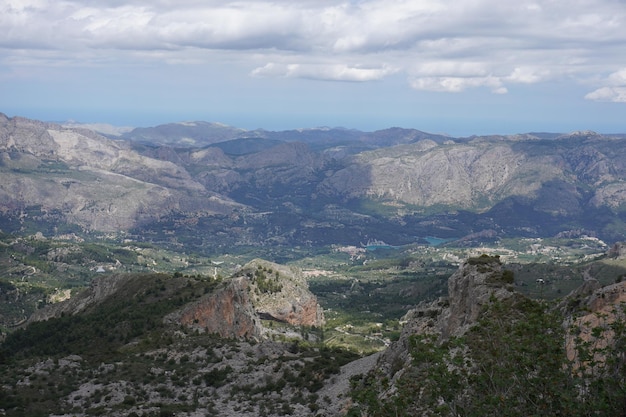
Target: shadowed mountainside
305, 185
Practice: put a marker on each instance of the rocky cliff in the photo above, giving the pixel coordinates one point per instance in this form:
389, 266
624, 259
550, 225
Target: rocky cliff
593, 320
488, 349
261, 290
476, 282
228, 312
281, 293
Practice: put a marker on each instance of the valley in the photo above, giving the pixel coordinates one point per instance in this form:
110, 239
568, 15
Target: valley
123, 355
199, 269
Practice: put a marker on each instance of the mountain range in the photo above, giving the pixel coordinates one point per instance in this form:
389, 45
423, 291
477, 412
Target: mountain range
128, 285
309, 186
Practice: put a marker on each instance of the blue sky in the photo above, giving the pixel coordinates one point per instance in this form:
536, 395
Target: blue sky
463, 67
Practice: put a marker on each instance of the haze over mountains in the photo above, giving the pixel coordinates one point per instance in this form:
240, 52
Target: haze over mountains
313, 186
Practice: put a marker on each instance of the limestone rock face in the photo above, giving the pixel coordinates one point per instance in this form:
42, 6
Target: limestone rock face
607, 297
475, 282
228, 312
260, 290
459, 175
601, 308
469, 289
282, 293
617, 251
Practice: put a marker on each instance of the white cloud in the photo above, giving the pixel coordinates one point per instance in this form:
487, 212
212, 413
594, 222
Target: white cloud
612, 94
449, 67
333, 72
457, 76
528, 75
614, 89
439, 45
618, 77
457, 84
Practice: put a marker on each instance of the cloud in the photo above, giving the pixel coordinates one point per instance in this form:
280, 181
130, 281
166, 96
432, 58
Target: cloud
438, 45
614, 90
611, 94
619, 77
334, 72
457, 84
455, 76
528, 75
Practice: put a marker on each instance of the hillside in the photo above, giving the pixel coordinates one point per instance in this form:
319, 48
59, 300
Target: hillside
160, 344
488, 350
157, 343
290, 188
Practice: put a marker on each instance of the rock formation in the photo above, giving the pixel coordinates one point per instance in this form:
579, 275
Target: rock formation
228, 312
475, 282
596, 313
289, 300
617, 251
261, 290
469, 289
590, 318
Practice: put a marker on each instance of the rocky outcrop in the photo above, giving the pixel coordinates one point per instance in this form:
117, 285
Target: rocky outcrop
227, 312
618, 250
470, 288
473, 285
589, 313
593, 318
261, 290
281, 293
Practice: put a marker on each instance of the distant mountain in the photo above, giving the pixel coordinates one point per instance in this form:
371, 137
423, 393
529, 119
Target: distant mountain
188, 134
318, 186
56, 174
199, 134
102, 128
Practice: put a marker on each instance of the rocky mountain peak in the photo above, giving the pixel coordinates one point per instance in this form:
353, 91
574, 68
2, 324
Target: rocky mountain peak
228, 312
477, 281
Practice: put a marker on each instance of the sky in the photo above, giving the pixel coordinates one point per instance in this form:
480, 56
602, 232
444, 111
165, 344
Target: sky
459, 67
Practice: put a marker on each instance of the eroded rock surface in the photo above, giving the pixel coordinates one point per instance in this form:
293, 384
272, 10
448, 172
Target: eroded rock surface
260, 290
